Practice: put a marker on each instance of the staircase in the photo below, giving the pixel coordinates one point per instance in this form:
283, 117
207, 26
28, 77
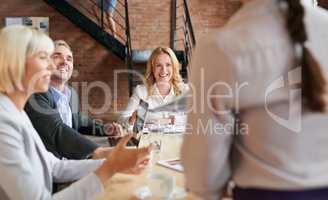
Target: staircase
182, 38
87, 15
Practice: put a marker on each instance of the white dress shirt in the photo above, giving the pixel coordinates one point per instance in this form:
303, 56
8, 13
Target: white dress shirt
62, 100
243, 66
154, 101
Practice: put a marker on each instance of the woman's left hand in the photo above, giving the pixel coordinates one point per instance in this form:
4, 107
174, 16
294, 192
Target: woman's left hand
138, 169
114, 130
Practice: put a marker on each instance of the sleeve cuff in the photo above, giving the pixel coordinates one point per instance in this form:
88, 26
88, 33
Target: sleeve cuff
85, 189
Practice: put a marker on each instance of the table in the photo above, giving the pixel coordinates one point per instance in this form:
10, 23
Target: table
122, 186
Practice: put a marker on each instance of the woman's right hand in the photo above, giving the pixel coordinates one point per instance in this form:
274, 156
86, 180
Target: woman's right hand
122, 160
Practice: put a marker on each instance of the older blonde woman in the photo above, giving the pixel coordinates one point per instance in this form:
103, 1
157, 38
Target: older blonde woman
163, 82
28, 169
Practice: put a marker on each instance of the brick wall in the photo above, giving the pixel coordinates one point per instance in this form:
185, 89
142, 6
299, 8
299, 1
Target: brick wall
207, 14
150, 26
323, 3
150, 19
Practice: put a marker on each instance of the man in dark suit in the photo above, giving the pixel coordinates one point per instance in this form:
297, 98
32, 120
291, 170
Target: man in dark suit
57, 118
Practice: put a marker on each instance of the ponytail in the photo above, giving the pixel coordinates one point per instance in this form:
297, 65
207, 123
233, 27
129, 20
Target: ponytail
314, 83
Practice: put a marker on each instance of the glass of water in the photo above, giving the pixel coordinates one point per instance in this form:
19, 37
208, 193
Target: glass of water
155, 140
155, 181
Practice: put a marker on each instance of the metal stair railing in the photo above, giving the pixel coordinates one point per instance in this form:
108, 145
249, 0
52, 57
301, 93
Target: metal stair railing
99, 16
81, 14
182, 33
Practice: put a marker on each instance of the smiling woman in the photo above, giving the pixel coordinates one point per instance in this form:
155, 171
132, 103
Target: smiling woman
28, 70
163, 69
163, 82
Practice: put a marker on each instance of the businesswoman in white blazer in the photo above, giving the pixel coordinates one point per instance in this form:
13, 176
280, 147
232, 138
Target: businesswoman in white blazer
263, 123
27, 168
163, 82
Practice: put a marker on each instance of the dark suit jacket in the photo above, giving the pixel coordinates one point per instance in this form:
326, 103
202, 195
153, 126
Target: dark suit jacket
59, 138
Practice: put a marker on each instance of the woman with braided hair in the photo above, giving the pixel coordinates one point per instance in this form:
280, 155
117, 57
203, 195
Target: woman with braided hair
263, 123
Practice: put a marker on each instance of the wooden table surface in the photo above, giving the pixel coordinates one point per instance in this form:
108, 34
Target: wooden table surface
122, 186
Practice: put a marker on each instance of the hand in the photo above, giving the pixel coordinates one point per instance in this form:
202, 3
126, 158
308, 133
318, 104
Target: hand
133, 118
101, 152
124, 160
173, 119
114, 130
138, 169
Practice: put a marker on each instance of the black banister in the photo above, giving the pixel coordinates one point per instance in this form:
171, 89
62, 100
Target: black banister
127, 29
181, 22
102, 14
173, 24
184, 42
128, 47
188, 18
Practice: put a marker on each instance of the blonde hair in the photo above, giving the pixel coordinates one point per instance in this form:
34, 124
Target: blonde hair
176, 79
18, 42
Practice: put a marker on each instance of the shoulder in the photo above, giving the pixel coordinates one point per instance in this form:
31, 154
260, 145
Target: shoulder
11, 120
141, 88
8, 118
316, 20
41, 103
141, 91
72, 91
184, 87
44, 95
10, 125
319, 13
255, 26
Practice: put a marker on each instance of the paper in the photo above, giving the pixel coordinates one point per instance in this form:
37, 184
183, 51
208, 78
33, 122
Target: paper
174, 164
179, 104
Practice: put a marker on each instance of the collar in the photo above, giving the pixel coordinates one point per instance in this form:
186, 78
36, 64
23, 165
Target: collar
7, 104
156, 91
253, 9
58, 94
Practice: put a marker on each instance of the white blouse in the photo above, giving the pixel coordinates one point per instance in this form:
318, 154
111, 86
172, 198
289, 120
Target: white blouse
154, 101
244, 67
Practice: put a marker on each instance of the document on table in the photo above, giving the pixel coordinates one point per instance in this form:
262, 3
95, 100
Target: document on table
174, 164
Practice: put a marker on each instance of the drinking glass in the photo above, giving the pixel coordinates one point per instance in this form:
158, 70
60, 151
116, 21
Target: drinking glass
157, 184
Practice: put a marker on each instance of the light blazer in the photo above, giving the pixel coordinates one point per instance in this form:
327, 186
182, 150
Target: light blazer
28, 169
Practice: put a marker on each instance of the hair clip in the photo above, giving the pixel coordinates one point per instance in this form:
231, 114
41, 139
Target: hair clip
283, 5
